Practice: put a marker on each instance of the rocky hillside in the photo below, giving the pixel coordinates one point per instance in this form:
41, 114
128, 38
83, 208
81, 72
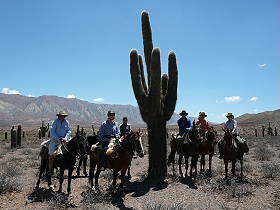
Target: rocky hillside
260, 119
32, 110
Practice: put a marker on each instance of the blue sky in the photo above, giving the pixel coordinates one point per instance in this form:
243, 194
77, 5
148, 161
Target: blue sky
227, 51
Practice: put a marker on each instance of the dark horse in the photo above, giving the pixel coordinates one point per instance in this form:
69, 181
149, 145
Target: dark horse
207, 148
89, 141
70, 150
129, 144
188, 147
231, 152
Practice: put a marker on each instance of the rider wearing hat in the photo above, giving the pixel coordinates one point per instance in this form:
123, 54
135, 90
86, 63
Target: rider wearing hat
60, 132
184, 123
108, 129
202, 123
125, 127
231, 124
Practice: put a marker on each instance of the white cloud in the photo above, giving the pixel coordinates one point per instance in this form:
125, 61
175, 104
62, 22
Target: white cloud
253, 98
9, 91
29, 95
98, 99
262, 65
71, 96
230, 99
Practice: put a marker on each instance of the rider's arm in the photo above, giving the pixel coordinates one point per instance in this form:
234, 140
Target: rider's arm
189, 125
68, 130
117, 131
101, 132
53, 131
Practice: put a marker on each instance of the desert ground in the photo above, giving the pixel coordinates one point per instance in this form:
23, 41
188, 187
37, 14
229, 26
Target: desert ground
259, 190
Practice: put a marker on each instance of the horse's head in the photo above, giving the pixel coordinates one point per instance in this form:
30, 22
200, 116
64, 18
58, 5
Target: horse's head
133, 141
80, 144
211, 135
194, 133
228, 136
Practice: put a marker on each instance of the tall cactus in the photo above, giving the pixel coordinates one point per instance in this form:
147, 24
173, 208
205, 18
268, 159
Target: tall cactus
44, 129
156, 99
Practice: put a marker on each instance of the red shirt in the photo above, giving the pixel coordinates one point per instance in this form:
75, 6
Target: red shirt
204, 125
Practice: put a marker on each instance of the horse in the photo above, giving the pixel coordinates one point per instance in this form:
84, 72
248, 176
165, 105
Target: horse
187, 148
129, 144
89, 141
70, 150
207, 148
231, 152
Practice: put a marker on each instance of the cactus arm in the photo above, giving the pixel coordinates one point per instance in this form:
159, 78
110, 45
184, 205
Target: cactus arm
142, 74
171, 95
155, 87
147, 42
164, 84
136, 79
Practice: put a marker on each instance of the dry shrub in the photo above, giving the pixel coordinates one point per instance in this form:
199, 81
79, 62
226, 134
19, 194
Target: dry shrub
159, 205
60, 201
270, 170
9, 177
231, 188
263, 153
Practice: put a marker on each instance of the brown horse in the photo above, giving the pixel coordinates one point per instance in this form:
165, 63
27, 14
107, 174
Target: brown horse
187, 148
129, 144
231, 152
207, 148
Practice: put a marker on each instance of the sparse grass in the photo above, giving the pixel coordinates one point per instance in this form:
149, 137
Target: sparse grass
277, 197
60, 202
159, 205
270, 170
263, 153
9, 173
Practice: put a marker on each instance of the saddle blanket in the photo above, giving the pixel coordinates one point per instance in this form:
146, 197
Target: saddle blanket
46, 144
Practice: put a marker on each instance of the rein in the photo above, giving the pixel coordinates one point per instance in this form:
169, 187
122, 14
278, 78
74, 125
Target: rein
63, 145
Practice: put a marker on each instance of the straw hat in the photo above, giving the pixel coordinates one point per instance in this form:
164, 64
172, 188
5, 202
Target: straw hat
61, 113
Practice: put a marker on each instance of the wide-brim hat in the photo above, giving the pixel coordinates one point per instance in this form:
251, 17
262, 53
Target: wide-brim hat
183, 112
230, 115
202, 114
62, 113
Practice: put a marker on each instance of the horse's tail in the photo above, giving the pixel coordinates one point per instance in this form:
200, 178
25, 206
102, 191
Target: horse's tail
171, 158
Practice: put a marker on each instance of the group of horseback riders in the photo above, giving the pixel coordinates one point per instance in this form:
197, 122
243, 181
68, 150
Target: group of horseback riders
231, 125
61, 132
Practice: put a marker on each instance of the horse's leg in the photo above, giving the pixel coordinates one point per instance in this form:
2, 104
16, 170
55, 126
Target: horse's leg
128, 172
115, 176
42, 169
233, 167
79, 166
195, 165
122, 181
186, 165
241, 170
226, 168
202, 163
98, 170
92, 165
85, 166
61, 178
179, 163
210, 164
70, 171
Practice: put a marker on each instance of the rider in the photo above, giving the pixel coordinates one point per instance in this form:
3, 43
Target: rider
109, 129
60, 132
202, 123
125, 127
231, 124
184, 123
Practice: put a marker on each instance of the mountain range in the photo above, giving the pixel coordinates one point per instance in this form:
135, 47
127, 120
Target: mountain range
19, 109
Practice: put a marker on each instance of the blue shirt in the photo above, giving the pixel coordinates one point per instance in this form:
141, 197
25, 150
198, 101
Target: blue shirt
60, 129
184, 125
108, 129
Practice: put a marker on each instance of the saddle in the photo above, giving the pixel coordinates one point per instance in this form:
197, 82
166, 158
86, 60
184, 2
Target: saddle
46, 144
111, 151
